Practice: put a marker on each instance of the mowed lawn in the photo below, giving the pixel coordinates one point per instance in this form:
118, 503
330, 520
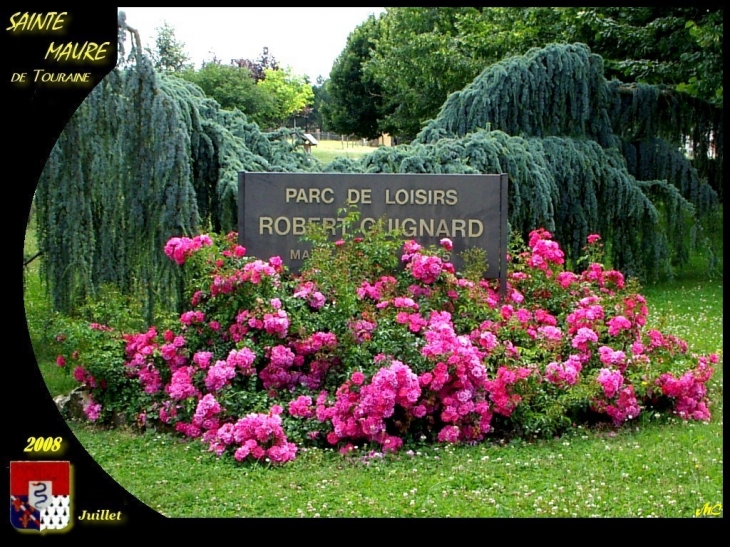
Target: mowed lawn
328, 151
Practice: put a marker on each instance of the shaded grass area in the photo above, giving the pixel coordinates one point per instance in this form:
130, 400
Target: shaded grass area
38, 315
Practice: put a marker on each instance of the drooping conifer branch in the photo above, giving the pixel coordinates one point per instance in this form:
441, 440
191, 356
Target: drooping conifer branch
560, 91
145, 158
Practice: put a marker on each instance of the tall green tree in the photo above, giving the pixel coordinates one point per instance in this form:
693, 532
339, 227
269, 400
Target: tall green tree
355, 98
233, 87
257, 67
268, 100
168, 54
321, 98
289, 92
424, 54
679, 47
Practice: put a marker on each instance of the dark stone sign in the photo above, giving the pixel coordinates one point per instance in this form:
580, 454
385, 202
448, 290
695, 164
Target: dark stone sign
471, 210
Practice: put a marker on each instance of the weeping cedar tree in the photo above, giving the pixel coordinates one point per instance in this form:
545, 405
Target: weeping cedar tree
583, 155
148, 157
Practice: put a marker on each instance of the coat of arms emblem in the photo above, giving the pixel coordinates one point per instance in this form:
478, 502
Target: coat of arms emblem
40, 495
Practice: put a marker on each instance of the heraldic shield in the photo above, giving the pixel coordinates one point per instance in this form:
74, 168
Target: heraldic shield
40, 495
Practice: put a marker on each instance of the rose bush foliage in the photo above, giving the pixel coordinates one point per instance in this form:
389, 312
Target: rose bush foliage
378, 342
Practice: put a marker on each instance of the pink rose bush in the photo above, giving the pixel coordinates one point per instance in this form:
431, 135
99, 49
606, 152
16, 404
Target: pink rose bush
379, 342
180, 248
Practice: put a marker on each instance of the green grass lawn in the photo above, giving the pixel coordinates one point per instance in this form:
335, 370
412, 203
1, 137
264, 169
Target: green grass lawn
327, 151
666, 470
